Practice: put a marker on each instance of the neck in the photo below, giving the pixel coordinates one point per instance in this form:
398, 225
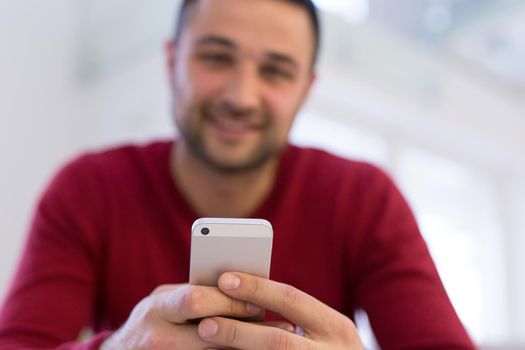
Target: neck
217, 194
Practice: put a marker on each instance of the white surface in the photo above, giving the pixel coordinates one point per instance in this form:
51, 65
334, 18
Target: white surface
255, 227
36, 113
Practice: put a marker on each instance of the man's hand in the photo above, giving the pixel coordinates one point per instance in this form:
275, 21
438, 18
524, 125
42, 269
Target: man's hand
323, 327
161, 320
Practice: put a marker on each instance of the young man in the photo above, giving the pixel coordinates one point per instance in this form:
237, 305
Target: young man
113, 226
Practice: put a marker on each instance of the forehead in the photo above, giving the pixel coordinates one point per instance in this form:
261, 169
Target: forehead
255, 25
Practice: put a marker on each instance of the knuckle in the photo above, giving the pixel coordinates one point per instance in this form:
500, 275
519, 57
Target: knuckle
160, 289
231, 334
192, 300
253, 288
345, 327
165, 288
233, 307
151, 341
149, 314
278, 341
290, 296
145, 309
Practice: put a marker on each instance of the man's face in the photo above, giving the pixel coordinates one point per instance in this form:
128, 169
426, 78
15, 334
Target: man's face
240, 71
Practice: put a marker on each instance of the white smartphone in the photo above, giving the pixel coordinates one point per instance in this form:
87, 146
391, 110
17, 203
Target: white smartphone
221, 245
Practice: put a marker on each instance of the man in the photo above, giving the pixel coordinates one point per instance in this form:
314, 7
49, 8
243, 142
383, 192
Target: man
115, 225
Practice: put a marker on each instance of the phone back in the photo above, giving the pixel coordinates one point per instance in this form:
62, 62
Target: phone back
221, 245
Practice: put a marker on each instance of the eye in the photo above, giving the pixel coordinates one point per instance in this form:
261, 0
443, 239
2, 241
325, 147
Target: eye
275, 72
215, 59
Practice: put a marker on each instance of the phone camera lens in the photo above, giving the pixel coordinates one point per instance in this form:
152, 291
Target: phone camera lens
205, 231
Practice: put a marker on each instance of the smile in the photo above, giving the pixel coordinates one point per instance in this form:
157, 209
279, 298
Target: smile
232, 128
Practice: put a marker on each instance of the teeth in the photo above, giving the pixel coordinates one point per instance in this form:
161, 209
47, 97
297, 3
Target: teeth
232, 125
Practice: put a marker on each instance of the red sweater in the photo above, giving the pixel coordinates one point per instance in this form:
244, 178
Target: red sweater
112, 226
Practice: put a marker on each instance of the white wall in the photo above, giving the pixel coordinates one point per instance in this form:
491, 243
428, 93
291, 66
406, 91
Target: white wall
36, 111
48, 114
515, 205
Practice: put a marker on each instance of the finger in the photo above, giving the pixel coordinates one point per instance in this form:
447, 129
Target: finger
166, 288
188, 302
247, 336
285, 326
185, 336
291, 303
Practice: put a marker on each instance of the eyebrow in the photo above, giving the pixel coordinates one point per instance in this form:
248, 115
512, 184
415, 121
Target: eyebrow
283, 59
216, 40
227, 43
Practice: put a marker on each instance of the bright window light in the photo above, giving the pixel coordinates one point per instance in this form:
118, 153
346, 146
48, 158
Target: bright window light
456, 207
340, 138
355, 11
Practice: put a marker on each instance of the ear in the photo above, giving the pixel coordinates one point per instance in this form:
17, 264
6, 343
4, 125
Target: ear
169, 51
308, 88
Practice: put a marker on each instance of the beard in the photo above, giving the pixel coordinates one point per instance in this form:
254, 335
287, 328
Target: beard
191, 128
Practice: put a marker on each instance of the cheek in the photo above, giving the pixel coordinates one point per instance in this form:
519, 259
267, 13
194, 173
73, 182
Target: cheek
283, 105
199, 85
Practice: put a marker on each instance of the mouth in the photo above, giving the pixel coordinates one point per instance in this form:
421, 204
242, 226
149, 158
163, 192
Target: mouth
232, 128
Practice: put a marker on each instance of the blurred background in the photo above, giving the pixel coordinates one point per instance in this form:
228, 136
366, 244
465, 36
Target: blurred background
431, 90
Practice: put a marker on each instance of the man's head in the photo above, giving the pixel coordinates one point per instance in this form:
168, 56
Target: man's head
184, 14
240, 70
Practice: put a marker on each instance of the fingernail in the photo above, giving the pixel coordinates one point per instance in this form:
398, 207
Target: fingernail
229, 281
208, 328
252, 309
299, 331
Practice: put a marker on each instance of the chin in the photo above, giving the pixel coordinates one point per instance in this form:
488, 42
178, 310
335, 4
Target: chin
229, 165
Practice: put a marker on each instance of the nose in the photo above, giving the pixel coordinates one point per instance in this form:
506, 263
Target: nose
243, 90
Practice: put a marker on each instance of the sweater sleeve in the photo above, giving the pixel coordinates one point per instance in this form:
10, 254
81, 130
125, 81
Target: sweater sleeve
53, 295
397, 283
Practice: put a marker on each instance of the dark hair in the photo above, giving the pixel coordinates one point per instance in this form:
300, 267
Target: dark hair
308, 5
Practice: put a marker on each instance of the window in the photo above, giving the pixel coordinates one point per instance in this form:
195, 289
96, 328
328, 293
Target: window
339, 138
457, 209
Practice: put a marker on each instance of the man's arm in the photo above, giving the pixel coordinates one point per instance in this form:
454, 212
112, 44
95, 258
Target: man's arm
54, 290
396, 281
